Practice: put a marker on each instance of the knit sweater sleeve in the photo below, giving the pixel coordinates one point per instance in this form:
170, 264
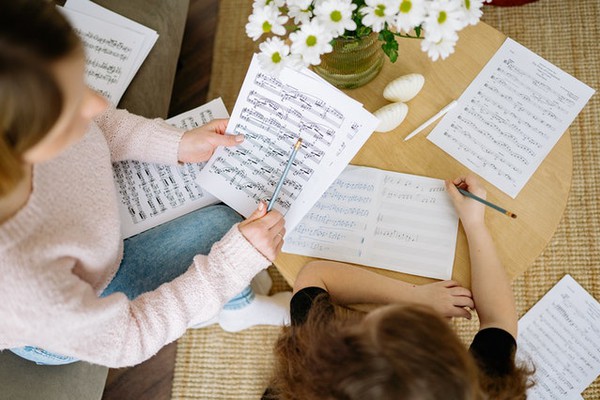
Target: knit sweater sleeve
117, 332
132, 137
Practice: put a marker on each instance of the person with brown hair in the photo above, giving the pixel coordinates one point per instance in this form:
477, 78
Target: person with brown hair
404, 350
70, 287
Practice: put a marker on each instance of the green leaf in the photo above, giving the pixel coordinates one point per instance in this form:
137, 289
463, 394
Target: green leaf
418, 30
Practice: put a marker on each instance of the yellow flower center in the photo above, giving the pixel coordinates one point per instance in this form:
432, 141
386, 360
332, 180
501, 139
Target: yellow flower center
276, 58
380, 10
468, 4
442, 17
311, 40
336, 16
405, 6
267, 27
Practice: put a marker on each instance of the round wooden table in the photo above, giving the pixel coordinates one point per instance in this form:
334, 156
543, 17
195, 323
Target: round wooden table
539, 205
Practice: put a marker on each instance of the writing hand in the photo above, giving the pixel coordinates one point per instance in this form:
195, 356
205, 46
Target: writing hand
197, 145
470, 212
448, 298
264, 230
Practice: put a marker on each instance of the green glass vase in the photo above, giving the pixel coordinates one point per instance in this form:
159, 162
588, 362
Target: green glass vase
353, 61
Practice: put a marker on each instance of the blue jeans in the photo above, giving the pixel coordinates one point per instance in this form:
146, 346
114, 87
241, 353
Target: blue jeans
160, 255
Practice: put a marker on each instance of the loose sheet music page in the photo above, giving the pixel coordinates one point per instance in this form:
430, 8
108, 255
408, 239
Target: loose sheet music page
560, 335
272, 113
151, 194
382, 219
511, 116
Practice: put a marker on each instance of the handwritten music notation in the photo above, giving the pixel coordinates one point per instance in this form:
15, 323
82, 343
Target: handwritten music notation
511, 116
272, 113
151, 194
382, 219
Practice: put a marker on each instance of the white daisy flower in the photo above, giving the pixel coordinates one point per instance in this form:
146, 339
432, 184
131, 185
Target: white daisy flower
377, 12
300, 15
445, 18
267, 19
273, 54
336, 15
411, 13
304, 4
440, 49
263, 3
310, 42
472, 10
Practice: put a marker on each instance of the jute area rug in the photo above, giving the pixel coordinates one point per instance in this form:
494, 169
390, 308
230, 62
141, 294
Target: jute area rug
213, 364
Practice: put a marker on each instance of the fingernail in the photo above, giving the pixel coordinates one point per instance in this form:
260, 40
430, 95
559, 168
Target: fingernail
239, 138
261, 205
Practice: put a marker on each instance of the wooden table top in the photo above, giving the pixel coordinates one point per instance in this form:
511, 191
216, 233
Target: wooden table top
539, 205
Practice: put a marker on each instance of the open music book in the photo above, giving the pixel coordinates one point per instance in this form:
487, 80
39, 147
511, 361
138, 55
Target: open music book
383, 219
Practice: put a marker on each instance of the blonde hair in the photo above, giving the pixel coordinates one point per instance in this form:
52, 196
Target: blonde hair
33, 36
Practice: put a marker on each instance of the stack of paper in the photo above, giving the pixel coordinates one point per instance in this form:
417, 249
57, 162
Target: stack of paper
115, 46
272, 112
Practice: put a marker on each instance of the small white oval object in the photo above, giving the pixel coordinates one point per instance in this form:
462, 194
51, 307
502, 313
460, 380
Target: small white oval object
390, 116
404, 88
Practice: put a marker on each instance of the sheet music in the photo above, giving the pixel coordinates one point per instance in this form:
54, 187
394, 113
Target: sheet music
151, 194
94, 10
382, 219
272, 113
560, 335
111, 53
511, 116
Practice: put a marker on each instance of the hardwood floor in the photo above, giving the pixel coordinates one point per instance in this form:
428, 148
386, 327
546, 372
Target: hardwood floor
153, 378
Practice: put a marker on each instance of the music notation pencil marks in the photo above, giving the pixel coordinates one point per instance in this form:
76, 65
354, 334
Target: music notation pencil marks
382, 219
272, 114
510, 117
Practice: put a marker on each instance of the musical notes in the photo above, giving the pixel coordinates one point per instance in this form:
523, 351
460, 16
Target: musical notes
560, 336
511, 116
272, 113
115, 46
382, 219
151, 194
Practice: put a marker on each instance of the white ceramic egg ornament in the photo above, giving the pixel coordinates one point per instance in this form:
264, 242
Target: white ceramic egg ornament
390, 116
404, 88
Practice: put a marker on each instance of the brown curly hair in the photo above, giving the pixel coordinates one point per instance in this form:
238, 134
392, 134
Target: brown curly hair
404, 353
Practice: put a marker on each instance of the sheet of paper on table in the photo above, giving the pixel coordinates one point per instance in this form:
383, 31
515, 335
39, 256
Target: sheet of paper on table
382, 219
511, 116
115, 46
272, 113
560, 335
151, 194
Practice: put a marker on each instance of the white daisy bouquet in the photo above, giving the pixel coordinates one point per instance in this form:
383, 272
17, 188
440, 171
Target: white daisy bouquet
300, 31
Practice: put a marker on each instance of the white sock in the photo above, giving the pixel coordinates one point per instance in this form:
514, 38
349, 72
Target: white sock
262, 283
263, 310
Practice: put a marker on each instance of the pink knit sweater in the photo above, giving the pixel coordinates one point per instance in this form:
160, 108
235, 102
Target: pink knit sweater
64, 246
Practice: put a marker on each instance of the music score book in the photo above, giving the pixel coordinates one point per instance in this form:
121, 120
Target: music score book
383, 219
511, 116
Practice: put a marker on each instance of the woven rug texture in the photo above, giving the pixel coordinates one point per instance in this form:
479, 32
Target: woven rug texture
213, 364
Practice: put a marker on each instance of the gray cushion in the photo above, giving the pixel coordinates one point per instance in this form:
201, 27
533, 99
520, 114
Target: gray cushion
21, 379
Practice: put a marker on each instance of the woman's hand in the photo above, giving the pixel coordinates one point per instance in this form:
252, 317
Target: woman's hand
264, 230
470, 212
197, 145
448, 298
